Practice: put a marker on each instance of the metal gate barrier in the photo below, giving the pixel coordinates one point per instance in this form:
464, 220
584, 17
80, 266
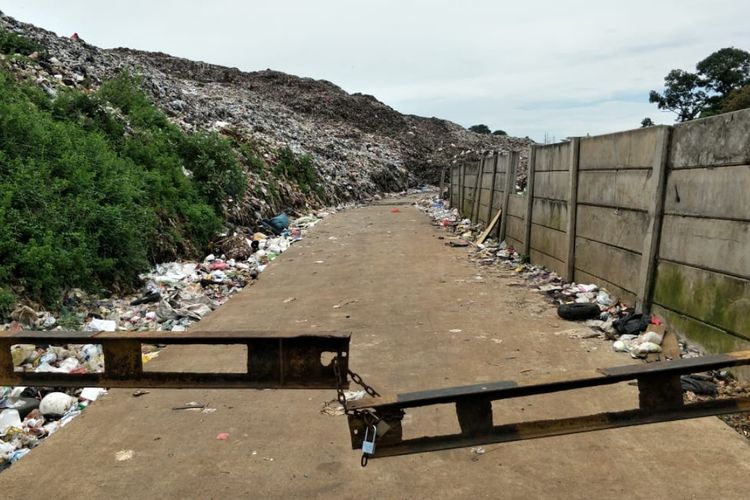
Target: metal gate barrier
280, 360
275, 360
375, 423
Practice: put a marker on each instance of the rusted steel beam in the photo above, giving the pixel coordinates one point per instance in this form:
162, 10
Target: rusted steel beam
285, 360
559, 427
660, 400
554, 383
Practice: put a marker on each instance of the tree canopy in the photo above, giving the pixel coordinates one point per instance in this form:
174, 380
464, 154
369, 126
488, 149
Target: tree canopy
718, 78
480, 129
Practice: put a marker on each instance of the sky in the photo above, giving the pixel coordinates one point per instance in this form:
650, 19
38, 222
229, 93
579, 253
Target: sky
543, 69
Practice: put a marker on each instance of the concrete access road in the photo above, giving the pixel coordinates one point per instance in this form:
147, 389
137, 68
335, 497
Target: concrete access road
422, 316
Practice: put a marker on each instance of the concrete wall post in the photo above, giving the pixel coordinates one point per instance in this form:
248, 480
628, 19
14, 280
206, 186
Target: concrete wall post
442, 181
495, 161
570, 262
450, 185
462, 197
511, 164
656, 193
477, 184
529, 201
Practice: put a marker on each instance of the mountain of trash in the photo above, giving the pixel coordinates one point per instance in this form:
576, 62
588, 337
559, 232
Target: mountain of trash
359, 146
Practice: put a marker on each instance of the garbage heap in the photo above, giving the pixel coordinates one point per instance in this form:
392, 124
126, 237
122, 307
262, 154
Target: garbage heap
174, 296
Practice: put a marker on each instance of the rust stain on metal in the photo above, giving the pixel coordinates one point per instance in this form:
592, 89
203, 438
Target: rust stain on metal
284, 360
660, 400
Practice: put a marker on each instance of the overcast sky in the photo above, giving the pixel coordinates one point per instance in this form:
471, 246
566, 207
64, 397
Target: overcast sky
560, 68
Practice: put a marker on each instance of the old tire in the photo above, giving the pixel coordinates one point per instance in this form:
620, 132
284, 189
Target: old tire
577, 312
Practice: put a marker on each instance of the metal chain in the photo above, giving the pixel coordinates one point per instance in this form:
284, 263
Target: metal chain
357, 379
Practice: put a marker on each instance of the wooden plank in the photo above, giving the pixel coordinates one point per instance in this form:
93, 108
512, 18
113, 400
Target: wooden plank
489, 228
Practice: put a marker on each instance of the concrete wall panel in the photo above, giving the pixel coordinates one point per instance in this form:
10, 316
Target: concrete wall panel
721, 245
517, 244
516, 229
718, 140
709, 192
517, 205
550, 213
617, 226
617, 266
552, 263
549, 241
616, 188
553, 157
713, 340
630, 149
717, 299
616, 291
551, 185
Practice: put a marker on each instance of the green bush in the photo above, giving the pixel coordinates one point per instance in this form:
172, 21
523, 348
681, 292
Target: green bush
90, 197
299, 169
11, 43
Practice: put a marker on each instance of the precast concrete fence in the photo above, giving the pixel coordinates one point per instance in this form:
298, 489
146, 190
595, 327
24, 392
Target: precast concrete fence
659, 216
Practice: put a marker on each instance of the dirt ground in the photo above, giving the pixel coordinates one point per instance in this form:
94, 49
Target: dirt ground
404, 295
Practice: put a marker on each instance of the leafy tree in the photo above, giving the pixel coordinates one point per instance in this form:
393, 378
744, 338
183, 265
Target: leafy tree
736, 100
480, 129
647, 122
683, 95
499, 132
725, 70
704, 92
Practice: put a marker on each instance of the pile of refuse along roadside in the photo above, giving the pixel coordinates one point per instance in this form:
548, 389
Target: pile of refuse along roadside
589, 303
174, 295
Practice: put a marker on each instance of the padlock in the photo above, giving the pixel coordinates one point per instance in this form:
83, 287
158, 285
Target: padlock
368, 444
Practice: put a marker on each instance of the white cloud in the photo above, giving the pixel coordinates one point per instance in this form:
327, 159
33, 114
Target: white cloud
528, 67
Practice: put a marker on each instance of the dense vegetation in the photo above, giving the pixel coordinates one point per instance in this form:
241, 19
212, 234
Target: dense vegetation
93, 187
720, 83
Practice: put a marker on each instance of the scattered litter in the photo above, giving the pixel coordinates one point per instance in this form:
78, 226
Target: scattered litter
339, 306
190, 406
222, 436
290, 299
455, 330
698, 385
174, 296
92, 393
123, 455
